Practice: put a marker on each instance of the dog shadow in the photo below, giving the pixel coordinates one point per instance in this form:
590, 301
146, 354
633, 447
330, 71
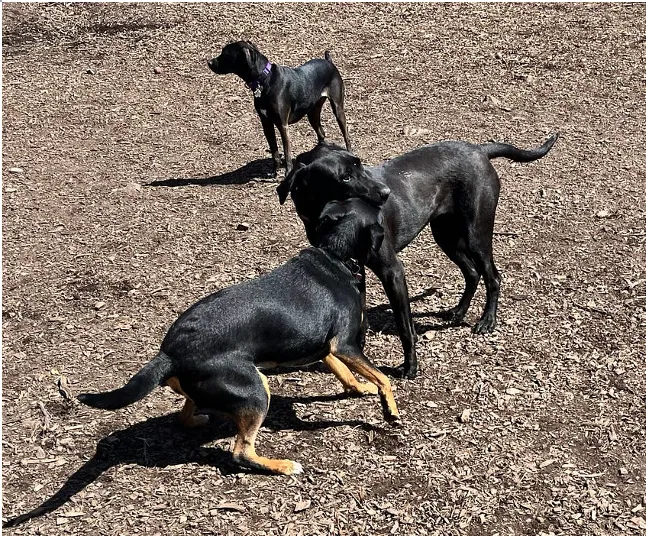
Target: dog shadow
380, 317
162, 442
259, 170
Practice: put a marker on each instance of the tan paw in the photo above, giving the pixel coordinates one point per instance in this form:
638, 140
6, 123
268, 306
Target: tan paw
362, 389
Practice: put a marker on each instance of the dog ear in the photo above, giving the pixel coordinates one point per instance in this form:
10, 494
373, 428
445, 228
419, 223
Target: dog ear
285, 187
247, 55
376, 237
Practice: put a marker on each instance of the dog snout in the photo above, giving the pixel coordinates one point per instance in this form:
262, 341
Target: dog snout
213, 64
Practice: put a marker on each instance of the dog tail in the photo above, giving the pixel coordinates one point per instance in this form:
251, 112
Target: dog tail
142, 383
496, 150
328, 56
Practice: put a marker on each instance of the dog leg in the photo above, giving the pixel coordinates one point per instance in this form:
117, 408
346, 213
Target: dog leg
336, 95
454, 246
187, 415
244, 451
270, 134
349, 382
362, 366
491, 277
282, 128
390, 271
188, 418
314, 117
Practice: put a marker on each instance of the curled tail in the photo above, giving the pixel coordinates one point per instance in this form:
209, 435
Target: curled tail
142, 383
496, 150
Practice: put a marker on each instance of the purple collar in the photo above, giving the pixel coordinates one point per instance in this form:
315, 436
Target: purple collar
257, 82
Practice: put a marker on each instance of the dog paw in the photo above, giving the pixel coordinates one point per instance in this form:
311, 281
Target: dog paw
200, 420
297, 469
393, 419
452, 315
286, 467
485, 325
401, 371
362, 389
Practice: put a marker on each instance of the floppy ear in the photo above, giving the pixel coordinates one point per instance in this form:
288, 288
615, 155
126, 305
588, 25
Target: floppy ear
376, 236
247, 55
285, 187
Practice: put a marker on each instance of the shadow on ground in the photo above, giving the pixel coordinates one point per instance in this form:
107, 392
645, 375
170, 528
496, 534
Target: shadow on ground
161, 442
259, 170
381, 318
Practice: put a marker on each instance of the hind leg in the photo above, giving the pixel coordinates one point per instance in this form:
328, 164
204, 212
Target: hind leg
483, 257
453, 243
336, 95
187, 416
248, 420
314, 117
236, 388
244, 452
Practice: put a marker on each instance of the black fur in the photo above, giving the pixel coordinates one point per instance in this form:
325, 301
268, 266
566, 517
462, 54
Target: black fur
450, 186
301, 312
285, 95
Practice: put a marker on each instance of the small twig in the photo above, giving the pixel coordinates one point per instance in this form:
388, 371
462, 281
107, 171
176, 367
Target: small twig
47, 418
502, 233
592, 309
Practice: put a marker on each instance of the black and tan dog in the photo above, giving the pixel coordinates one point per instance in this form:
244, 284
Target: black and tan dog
450, 186
284, 95
309, 309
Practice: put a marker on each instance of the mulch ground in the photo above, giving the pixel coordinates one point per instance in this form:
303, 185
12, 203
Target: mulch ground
124, 210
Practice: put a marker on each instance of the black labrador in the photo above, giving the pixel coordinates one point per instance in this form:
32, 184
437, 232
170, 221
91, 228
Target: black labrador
307, 310
450, 185
283, 95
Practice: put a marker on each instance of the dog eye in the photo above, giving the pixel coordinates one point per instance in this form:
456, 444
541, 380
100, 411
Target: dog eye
347, 178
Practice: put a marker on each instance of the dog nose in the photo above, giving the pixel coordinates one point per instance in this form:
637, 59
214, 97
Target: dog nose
384, 193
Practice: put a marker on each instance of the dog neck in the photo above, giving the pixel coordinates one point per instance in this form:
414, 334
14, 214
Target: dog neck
257, 82
352, 264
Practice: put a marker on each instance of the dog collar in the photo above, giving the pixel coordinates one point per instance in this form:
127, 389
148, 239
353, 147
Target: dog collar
256, 84
354, 267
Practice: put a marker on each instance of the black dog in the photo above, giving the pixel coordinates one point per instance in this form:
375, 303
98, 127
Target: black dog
306, 310
283, 95
450, 185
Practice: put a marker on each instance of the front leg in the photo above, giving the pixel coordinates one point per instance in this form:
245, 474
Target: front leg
390, 271
282, 128
270, 134
349, 382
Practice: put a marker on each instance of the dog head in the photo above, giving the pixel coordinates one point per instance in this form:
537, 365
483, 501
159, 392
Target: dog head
237, 58
350, 229
329, 173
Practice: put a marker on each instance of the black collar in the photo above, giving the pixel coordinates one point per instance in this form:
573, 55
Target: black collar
355, 268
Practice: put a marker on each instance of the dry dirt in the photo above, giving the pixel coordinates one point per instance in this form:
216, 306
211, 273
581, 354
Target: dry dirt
133, 183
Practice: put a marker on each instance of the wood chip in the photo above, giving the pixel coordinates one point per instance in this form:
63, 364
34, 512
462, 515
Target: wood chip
302, 505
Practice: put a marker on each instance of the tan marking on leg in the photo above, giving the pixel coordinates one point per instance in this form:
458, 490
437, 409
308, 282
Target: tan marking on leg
333, 345
173, 383
187, 415
265, 383
244, 451
349, 382
364, 368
